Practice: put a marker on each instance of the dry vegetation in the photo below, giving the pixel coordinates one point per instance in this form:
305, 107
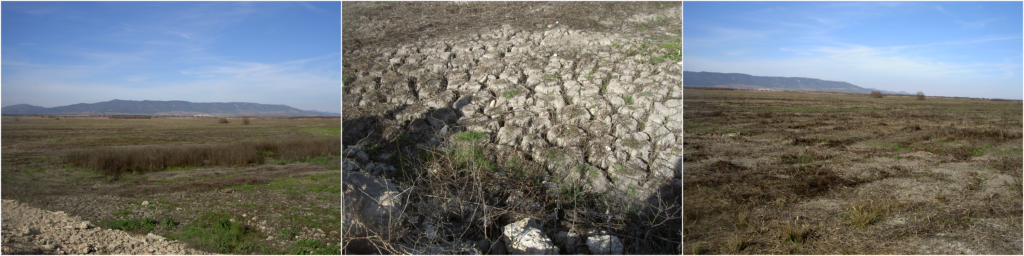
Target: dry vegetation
115, 161
830, 173
277, 179
488, 188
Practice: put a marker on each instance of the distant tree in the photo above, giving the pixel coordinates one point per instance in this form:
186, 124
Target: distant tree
920, 95
876, 94
222, 120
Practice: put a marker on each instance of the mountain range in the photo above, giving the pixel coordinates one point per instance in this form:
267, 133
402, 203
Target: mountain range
744, 81
171, 108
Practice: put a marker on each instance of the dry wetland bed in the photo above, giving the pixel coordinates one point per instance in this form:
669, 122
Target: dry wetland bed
512, 128
95, 185
830, 173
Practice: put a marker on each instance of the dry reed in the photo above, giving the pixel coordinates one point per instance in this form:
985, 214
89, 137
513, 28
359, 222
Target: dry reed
115, 161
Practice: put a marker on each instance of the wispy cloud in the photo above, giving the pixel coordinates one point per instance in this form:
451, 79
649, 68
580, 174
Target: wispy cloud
976, 24
724, 34
83, 52
311, 7
967, 24
185, 35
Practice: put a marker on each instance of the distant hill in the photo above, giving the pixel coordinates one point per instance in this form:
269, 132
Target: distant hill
744, 81
149, 107
325, 113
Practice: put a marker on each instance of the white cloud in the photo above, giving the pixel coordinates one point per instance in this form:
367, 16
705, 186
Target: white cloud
722, 34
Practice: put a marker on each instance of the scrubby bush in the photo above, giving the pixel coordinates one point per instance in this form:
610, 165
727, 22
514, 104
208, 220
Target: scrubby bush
114, 161
876, 94
245, 120
222, 120
920, 95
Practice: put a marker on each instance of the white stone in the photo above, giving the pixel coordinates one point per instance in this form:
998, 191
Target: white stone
603, 243
525, 237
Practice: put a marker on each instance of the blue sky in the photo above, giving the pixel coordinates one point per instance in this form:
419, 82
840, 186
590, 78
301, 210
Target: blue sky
971, 49
62, 53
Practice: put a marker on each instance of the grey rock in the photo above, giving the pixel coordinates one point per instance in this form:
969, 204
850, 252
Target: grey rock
568, 241
154, 237
525, 237
604, 244
349, 165
357, 153
375, 200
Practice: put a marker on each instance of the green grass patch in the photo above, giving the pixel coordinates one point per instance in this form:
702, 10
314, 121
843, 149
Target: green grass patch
324, 131
328, 182
980, 151
471, 156
510, 94
179, 168
1008, 153
471, 136
124, 213
285, 234
220, 232
244, 187
671, 46
132, 225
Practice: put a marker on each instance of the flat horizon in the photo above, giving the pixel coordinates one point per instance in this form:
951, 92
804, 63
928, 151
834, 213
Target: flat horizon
64, 53
957, 49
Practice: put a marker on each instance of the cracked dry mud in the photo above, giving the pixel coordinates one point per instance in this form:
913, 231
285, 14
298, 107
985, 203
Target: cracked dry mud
597, 91
596, 97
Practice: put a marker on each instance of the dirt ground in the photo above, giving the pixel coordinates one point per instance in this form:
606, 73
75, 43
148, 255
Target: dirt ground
830, 173
301, 199
390, 24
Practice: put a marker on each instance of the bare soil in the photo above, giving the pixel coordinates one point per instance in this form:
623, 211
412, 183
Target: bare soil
267, 198
831, 173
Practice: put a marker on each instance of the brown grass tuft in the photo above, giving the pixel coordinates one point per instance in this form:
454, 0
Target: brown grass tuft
920, 95
794, 234
245, 120
876, 94
115, 161
222, 120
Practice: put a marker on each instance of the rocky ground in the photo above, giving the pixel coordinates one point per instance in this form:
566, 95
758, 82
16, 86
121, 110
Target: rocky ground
593, 99
30, 230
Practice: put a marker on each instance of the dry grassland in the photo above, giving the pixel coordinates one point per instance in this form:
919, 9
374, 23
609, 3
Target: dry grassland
275, 180
828, 173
